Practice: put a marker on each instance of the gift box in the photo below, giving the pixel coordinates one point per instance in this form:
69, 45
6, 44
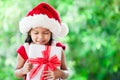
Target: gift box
43, 58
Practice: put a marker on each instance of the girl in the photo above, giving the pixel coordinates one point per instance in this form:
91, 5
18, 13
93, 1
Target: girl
43, 25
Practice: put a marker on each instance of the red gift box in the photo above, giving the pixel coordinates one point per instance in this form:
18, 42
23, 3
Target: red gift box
43, 58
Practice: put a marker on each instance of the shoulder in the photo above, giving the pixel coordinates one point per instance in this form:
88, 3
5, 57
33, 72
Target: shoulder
20, 48
59, 44
22, 52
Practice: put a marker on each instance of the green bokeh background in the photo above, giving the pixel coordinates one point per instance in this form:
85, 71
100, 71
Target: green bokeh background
93, 42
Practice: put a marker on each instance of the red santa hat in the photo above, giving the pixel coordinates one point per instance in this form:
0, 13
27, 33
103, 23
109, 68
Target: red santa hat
45, 16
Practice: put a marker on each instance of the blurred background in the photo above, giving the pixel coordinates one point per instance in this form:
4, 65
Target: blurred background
93, 43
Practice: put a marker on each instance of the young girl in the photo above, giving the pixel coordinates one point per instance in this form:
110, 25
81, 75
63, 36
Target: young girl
42, 25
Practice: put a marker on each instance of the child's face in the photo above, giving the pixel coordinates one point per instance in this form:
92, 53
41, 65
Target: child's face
40, 35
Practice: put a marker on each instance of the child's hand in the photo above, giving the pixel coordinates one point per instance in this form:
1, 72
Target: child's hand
27, 67
52, 74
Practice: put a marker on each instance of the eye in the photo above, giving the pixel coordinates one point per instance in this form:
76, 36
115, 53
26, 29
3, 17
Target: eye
46, 32
36, 32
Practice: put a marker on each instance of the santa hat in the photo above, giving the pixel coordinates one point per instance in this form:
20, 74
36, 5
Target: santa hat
45, 16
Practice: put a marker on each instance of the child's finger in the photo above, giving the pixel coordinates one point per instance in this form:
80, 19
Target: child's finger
48, 72
48, 75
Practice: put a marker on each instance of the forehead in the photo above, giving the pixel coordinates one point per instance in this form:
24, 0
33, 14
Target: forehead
39, 29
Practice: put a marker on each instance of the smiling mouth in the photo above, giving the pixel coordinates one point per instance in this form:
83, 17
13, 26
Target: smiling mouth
40, 42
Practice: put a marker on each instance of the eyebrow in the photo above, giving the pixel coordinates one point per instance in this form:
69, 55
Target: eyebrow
47, 30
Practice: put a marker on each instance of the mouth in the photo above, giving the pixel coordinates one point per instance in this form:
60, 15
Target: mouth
40, 42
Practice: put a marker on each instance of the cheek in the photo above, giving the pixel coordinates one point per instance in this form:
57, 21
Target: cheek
33, 37
48, 37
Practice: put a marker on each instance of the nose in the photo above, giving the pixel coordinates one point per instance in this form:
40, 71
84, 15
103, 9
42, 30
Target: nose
40, 36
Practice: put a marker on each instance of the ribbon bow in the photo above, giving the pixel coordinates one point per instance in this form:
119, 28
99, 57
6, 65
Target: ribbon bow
51, 63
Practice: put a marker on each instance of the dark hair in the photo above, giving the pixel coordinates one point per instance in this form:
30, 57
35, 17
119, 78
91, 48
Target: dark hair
29, 39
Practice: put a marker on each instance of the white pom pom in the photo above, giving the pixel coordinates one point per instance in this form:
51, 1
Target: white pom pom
64, 30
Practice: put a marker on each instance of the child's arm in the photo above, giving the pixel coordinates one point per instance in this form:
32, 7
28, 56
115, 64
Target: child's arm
22, 67
64, 71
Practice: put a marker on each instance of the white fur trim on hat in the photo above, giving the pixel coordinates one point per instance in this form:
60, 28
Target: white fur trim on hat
44, 21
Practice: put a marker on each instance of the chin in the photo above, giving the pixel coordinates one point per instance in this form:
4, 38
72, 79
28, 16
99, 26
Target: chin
40, 43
